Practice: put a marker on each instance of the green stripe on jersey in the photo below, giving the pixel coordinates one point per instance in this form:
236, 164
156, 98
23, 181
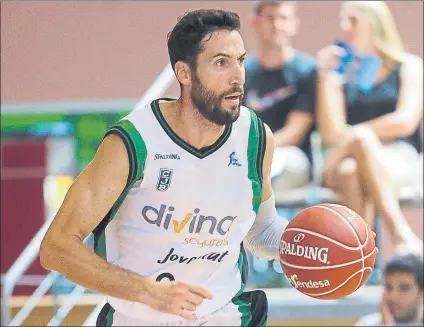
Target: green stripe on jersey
243, 307
255, 154
137, 153
109, 317
261, 149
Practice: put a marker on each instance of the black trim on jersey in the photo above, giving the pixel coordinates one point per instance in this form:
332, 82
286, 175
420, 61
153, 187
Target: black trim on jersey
99, 229
199, 153
245, 268
261, 149
257, 304
132, 153
105, 317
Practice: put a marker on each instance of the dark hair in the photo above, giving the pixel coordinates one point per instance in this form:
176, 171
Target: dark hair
409, 263
185, 40
259, 5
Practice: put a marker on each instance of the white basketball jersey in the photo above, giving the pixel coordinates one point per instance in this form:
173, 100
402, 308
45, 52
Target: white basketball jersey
185, 212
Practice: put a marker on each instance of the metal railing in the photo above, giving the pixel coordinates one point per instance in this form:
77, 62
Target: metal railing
31, 303
40, 291
27, 257
70, 302
91, 319
18, 268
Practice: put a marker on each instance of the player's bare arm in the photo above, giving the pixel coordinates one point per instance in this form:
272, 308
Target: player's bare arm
88, 201
266, 166
263, 239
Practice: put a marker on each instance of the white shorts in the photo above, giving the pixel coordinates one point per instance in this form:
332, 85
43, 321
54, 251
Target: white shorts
290, 168
403, 163
227, 316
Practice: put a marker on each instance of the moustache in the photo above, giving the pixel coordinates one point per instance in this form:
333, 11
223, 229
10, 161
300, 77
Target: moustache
236, 89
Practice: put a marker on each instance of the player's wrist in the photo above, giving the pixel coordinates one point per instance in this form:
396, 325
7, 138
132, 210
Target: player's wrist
145, 290
139, 288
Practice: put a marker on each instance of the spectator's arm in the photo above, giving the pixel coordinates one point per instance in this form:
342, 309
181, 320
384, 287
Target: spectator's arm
294, 131
331, 109
409, 110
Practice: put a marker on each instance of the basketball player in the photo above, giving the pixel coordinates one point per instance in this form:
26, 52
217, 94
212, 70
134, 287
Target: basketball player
172, 194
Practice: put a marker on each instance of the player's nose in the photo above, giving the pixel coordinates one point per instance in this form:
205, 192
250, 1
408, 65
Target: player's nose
237, 76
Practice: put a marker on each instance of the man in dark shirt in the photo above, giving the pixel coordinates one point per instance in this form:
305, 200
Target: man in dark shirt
280, 87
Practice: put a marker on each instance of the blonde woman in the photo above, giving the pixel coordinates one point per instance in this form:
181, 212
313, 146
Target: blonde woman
371, 125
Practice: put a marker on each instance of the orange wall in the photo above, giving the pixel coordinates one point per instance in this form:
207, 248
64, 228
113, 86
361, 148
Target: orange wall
57, 50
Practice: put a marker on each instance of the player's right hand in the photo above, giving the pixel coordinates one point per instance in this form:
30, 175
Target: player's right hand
176, 298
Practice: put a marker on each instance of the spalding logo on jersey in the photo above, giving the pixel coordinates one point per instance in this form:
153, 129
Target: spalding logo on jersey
164, 179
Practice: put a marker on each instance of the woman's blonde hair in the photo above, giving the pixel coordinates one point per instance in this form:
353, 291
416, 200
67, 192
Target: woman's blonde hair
386, 36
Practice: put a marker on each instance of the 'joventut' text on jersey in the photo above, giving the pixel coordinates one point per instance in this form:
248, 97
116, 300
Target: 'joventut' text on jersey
184, 212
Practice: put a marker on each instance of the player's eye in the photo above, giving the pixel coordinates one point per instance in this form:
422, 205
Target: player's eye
220, 62
242, 60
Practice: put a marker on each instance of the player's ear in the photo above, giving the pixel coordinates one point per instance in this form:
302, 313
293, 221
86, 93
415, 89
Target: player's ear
183, 73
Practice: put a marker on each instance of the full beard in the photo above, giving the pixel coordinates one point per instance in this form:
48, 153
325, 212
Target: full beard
209, 104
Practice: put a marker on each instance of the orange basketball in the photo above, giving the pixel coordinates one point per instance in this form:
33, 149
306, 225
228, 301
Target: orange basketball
327, 251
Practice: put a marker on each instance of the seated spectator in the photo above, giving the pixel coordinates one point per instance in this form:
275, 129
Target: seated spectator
280, 82
371, 124
402, 301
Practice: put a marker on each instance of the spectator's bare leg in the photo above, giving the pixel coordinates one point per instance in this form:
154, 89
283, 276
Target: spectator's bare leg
364, 149
348, 186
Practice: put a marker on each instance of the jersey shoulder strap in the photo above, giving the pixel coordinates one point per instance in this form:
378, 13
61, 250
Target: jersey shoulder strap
136, 147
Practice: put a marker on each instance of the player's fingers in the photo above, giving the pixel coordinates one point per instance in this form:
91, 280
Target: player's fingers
194, 298
201, 291
189, 306
186, 314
